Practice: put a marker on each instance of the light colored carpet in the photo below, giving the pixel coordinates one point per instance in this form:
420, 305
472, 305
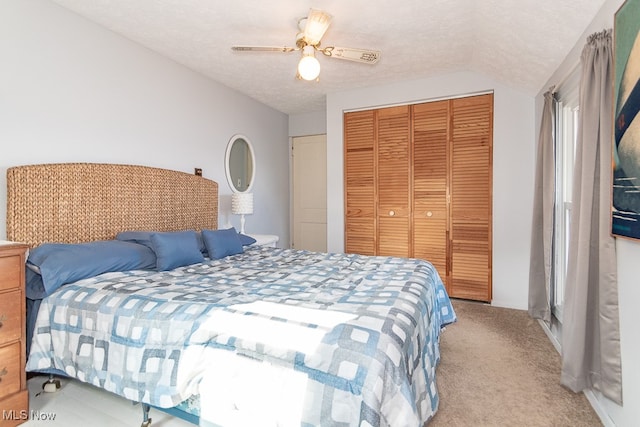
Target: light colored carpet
498, 368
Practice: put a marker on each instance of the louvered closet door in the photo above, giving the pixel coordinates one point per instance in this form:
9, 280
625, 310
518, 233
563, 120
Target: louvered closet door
471, 165
394, 177
430, 165
360, 227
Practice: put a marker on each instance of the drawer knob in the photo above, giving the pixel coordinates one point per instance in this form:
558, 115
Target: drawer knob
429, 214
392, 213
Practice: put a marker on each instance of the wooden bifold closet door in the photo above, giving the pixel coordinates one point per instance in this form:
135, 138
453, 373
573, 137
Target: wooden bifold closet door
393, 182
470, 208
430, 176
360, 177
418, 184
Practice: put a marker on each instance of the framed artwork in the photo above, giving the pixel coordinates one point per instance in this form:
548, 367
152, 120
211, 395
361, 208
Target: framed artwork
625, 210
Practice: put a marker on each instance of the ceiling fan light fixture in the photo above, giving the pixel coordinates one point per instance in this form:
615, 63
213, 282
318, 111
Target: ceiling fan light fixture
309, 66
316, 25
312, 29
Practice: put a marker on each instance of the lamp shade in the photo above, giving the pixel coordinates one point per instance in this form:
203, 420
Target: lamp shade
316, 25
242, 203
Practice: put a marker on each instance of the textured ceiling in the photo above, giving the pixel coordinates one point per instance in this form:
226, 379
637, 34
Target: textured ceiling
517, 42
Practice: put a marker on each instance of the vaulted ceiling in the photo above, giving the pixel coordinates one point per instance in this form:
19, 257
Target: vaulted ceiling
517, 42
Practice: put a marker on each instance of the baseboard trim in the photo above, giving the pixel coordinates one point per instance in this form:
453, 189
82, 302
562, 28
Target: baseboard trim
506, 304
552, 338
596, 404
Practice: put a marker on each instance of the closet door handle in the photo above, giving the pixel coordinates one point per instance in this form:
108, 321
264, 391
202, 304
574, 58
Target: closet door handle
392, 213
429, 214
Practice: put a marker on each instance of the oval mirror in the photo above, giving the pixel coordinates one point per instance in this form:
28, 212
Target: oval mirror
240, 164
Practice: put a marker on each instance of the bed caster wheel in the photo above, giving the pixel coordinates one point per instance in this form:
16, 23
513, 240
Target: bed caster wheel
51, 385
146, 423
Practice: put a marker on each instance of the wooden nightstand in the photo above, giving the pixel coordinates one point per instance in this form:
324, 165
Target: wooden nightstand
14, 397
266, 239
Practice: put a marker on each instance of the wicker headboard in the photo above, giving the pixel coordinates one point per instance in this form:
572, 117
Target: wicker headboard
81, 202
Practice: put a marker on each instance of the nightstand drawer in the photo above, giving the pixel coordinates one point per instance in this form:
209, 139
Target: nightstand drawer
14, 396
10, 369
10, 316
11, 272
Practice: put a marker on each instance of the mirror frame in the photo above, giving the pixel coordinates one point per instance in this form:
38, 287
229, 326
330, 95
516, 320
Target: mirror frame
227, 157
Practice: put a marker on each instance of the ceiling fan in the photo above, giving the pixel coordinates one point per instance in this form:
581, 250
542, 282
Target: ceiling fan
312, 28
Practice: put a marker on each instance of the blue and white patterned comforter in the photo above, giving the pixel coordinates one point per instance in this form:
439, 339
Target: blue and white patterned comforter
362, 331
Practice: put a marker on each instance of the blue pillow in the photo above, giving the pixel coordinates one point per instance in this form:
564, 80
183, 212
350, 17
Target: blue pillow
144, 238
176, 249
201, 244
52, 265
246, 240
221, 243
140, 237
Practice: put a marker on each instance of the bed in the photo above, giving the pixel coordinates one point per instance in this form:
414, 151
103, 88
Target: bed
248, 336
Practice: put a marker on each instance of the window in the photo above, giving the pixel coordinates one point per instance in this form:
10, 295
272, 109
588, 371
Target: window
566, 126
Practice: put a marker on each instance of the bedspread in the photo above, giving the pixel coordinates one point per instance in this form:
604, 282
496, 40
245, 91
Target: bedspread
362, 332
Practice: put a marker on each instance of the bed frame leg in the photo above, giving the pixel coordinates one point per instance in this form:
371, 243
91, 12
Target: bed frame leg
51, 385
146, 421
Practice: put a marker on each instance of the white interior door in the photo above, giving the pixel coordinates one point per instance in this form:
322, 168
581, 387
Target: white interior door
310, 193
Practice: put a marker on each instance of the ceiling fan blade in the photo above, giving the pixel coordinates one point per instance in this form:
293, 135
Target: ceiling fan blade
263, 48
316, 25
366, 56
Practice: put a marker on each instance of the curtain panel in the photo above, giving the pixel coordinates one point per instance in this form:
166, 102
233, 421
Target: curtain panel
542, 230
591, 333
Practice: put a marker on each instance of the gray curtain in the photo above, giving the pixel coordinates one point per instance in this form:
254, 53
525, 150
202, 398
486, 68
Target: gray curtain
590, 326
543, 219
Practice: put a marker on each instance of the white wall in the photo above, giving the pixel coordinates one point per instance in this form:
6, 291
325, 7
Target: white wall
628, 254
513, 159
72, 91
305, 124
